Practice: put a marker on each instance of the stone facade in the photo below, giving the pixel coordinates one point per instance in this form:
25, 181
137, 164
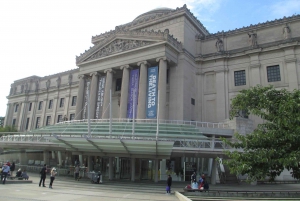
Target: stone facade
199, 72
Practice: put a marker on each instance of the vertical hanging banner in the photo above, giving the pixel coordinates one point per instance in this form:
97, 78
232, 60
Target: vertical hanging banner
86, 93
100, 97
133, 93
152, 92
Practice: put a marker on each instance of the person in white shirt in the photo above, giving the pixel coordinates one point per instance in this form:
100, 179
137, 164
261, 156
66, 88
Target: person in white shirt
5, 171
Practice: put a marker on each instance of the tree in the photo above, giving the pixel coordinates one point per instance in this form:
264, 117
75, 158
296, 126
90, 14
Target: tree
274, 144
8, 129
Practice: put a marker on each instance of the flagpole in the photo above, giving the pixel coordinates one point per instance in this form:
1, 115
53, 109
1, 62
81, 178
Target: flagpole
110, 119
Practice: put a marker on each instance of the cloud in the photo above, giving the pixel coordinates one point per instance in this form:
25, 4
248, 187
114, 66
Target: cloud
285, 8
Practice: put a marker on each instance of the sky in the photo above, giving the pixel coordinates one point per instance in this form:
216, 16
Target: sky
43, 37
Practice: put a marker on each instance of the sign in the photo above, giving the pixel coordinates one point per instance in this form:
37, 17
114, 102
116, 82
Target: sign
152, 93
133, 93
101, 87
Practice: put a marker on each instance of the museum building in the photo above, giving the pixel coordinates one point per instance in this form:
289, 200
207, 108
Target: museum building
164, 67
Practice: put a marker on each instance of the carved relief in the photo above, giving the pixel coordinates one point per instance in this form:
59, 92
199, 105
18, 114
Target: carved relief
252, 39
219, 45
286, 32
48, 84
58, 81
119, 46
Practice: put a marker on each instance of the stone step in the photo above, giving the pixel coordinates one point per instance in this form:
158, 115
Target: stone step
9, 181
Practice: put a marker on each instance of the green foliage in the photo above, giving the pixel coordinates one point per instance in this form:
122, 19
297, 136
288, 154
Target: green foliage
274, 144
8, 129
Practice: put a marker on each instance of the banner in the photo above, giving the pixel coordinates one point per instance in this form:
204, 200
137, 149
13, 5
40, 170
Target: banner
86, 93
133, 92
152, 93
101, 87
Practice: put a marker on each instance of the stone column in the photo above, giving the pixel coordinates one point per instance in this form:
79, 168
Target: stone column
80, 160
132, 169
163, 163
124, 91
7, 120
141, 112
19, 118
53, 154
110, 170
32, 115
162, 87
45, 103
23, 157
108, 87
90, 164
59, 158
53, 117
46, 157
156, 171
80, 98
214, 172
94, 94
67, 104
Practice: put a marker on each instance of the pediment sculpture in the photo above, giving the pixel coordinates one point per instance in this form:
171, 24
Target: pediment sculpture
119, 45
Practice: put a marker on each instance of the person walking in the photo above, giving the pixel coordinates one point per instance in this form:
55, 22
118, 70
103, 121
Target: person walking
43, 173
12, 169
52, 177
169, 183
76, 172
5, 171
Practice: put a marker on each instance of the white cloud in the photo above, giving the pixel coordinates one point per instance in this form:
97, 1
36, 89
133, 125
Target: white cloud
285, 8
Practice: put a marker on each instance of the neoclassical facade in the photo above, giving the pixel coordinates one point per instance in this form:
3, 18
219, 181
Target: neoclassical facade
164, 64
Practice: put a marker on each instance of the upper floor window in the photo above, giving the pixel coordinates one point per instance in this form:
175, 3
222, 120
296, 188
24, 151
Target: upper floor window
40, 105
14, 122
27, 123
62, 102
192, 101
118, 84
239, 78
50, 104
273, 73
30, 106
74, 99
16, 107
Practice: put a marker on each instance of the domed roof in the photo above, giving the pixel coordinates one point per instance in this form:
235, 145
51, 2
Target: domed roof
155, 11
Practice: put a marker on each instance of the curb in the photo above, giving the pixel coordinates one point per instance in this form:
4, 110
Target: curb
181, 197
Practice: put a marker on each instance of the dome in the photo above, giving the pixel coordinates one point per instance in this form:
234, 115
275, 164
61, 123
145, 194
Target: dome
153, 12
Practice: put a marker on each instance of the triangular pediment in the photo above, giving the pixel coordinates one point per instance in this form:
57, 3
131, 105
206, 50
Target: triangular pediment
119, 45
126, 40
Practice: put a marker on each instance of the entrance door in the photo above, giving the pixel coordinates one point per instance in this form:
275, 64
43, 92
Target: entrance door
125, 168
146, 169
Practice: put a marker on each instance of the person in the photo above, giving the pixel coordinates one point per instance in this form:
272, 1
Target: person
43, 173
52, 176
193, 178
76, 171
19, 173
5, 171
25, 175
12, 169
169, 183
8, 163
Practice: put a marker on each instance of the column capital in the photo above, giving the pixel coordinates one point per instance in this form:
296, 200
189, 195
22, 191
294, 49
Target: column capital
125, 66
94, 74
143, 62
162, 58
81, 76
109, 71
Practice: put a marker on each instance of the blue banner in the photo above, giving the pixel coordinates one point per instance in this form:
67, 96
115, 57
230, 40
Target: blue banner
152, 93
133, 92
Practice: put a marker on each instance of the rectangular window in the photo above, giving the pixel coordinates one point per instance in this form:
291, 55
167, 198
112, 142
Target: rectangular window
118, 84
16, 107
74, 99
62, 102
27, 123
273, 73
40, 105
59, 118
48, 120
30, 106
192, 101
37, 124
239, 78
72, 117
50, 104
14, 122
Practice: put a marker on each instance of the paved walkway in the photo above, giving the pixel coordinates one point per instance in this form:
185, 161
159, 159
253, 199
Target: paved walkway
66, 189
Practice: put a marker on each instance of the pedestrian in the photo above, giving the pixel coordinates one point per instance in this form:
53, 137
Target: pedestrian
5, 171
12, 169
25, 175
52, 176
169, 183
43, 173
76, 172
193, 178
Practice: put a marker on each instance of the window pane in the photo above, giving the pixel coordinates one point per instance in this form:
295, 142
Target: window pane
50, 104
239, 78
273, 73
74, 99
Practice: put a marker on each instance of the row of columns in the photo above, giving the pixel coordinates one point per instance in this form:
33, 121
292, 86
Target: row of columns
142, 96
